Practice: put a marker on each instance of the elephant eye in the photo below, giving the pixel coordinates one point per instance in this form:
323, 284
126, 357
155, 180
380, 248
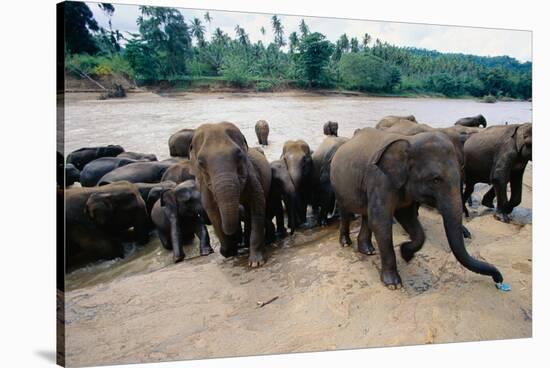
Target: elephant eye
437, 180
202, 163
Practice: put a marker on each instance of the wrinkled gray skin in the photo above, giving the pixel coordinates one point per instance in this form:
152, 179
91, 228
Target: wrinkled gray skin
498, 156
230, 175
150, 192
179, 143
282, 191
82, 156
383, 175
72, 174
137, 172
330, 128
473, 121
297, 158
139, 156
262, 132
179, 172
96, 169
178, 216
98, 220
322, 193
388, 121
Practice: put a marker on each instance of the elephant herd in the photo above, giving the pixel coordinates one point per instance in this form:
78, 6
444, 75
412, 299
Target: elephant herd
214, 178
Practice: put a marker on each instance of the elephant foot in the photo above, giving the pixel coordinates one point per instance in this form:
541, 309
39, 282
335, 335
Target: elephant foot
279, 234
345, 240
466, 233
407, 253
488, 202
366, 248
206, 250
256, 259
228, 252
179, 258
391, 279
502, 217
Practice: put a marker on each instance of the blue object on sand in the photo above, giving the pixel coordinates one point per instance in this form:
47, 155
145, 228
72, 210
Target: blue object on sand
503, 286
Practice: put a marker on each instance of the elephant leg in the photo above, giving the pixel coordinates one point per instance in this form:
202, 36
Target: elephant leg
204, 239
380, 221
345, 220
488, 198
468, 190
364, 239
516, 186
500, 186
165, 240
279, 217
257, 207
408, 219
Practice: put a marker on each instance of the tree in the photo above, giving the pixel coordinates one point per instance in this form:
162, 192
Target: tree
79, 21
262, 31
314, 56
354, 45
366, 72
164, 30
278, 31
366, 40
197, 30
242, 37
304, 29
293, 41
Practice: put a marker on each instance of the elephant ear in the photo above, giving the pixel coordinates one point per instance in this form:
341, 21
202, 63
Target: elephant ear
521, 133
167, 198
99, 200
393, 160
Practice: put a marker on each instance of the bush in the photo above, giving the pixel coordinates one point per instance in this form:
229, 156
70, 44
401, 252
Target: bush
100, 65
236, 71
489, 99
367, 73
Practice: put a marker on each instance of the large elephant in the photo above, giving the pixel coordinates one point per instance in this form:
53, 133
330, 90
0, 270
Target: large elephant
72, 175
178, 172
498, 156
473, 121
330, 128
262, 132
98, 220
230, 175
299, 163
139, 156
382, 175
82, 156
322, 193
179, 142
388, 121
282, 191
96, 169
137, 172
178, 216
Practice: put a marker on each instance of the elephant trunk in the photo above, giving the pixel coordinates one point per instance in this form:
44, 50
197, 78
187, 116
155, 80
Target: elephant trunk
451, 211
176, 239
227, 192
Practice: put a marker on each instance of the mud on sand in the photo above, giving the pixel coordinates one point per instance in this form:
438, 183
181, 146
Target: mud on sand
329, 297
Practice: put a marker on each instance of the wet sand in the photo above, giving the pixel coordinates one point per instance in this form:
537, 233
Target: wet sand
146, 309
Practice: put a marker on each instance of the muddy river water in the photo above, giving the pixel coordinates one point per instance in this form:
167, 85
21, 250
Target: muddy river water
328, 297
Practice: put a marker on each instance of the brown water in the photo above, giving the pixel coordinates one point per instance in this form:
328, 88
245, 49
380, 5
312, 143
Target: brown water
143, 122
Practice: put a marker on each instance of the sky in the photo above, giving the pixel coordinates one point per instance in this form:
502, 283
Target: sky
467, 40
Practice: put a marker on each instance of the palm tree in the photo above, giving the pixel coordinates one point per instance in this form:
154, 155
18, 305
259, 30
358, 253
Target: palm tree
207, 17
197, 30
241, 35
262, 31
366, 40
278, 31
220, 36
304, 29
293, 41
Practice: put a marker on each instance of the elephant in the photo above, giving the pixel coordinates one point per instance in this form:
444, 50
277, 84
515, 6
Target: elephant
179, 142
98, 219
322, 198
229, 175
178, 216
262, 131
150, 192
72, 175
473, 121
137, 172
297, 157
330, 128
498, 156
139, 156
82, 156
383, 175
388, 121
96, 169
179, 172
282, 190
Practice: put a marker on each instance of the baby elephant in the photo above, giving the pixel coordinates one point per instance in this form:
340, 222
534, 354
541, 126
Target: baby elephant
178, 216
262, 131
473, 121
331, 128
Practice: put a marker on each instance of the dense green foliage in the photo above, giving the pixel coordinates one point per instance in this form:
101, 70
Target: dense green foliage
170, 47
